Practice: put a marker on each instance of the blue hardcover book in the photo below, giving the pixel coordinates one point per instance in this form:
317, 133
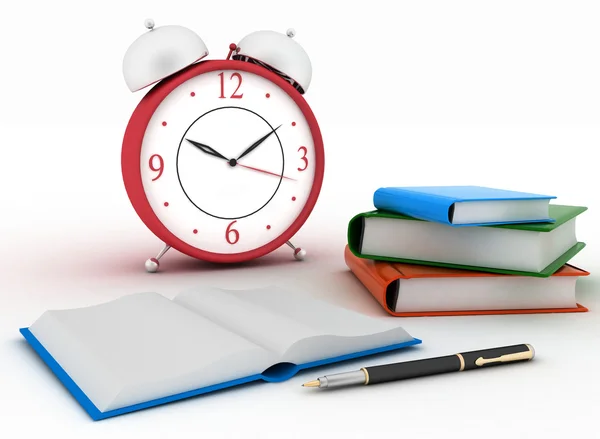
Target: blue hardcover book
145, 350
465, 205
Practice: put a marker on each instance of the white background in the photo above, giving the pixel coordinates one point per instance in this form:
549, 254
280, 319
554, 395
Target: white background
503, 94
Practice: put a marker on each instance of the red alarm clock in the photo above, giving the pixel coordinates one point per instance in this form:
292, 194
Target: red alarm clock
222, 159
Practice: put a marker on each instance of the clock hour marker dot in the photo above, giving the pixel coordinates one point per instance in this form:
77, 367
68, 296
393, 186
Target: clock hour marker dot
192, 94
164, 124
293, 198
293, 124
166, 204
268, 227
195, 231
268, 95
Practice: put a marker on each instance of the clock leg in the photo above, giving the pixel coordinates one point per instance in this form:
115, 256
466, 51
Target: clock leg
152, 263
299, 253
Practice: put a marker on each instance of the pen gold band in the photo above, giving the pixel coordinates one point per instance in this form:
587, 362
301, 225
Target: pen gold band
462, 362
366, 372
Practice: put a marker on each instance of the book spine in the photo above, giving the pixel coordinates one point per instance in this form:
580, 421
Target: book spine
376, 277
422, 206
356, 228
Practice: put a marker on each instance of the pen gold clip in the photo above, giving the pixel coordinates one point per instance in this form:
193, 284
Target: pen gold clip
526, 355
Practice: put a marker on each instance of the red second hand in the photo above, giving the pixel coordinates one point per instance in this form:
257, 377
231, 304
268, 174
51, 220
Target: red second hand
265, 172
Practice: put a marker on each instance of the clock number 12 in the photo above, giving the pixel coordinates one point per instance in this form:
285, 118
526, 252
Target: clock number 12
235, 75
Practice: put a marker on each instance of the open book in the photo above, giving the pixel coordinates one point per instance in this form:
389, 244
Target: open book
144, 350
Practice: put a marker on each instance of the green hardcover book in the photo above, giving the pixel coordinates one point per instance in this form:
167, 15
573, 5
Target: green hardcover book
534, 249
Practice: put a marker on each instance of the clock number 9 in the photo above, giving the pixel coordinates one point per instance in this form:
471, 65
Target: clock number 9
161, 165
303, 158
231, 231
239, 84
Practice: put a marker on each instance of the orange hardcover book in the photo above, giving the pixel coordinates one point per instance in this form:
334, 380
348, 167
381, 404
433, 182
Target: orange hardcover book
410, 290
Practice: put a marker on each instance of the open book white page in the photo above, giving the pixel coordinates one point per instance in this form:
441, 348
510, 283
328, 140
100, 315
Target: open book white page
142, 347
298, 327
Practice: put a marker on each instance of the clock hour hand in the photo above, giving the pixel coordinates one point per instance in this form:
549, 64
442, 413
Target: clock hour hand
257, 143
207, 149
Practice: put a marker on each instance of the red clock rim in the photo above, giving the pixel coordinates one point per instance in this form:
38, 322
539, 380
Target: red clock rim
132, 146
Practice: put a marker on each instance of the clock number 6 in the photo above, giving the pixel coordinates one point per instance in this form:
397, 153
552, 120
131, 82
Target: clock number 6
231, 231
239, 84
303, 158
161, 165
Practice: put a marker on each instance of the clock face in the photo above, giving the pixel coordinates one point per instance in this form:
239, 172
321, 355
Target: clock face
228, 161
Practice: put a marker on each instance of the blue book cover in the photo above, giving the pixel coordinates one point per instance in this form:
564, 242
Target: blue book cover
145, 350
464, 205
278, 373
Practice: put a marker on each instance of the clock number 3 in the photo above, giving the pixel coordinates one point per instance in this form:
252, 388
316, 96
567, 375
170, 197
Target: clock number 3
231, 231
239, 84
160, 168
303, 150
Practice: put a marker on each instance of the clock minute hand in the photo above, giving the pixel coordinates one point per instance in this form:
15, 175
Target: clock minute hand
257, 143
207, 149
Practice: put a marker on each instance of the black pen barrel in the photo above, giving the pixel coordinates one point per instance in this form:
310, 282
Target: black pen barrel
412, 369
449, 363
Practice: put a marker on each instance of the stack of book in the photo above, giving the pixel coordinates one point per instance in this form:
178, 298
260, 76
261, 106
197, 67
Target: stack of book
465, 250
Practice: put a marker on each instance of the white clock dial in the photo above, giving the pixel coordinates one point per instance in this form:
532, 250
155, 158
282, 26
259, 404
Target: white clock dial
227, 161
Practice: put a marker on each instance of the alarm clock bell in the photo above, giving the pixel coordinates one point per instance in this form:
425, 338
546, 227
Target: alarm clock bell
159, 53
279, 53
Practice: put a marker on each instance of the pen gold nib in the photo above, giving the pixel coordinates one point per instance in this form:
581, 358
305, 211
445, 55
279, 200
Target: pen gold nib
315, 383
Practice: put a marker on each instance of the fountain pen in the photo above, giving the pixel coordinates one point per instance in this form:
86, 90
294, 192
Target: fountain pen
429, 366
